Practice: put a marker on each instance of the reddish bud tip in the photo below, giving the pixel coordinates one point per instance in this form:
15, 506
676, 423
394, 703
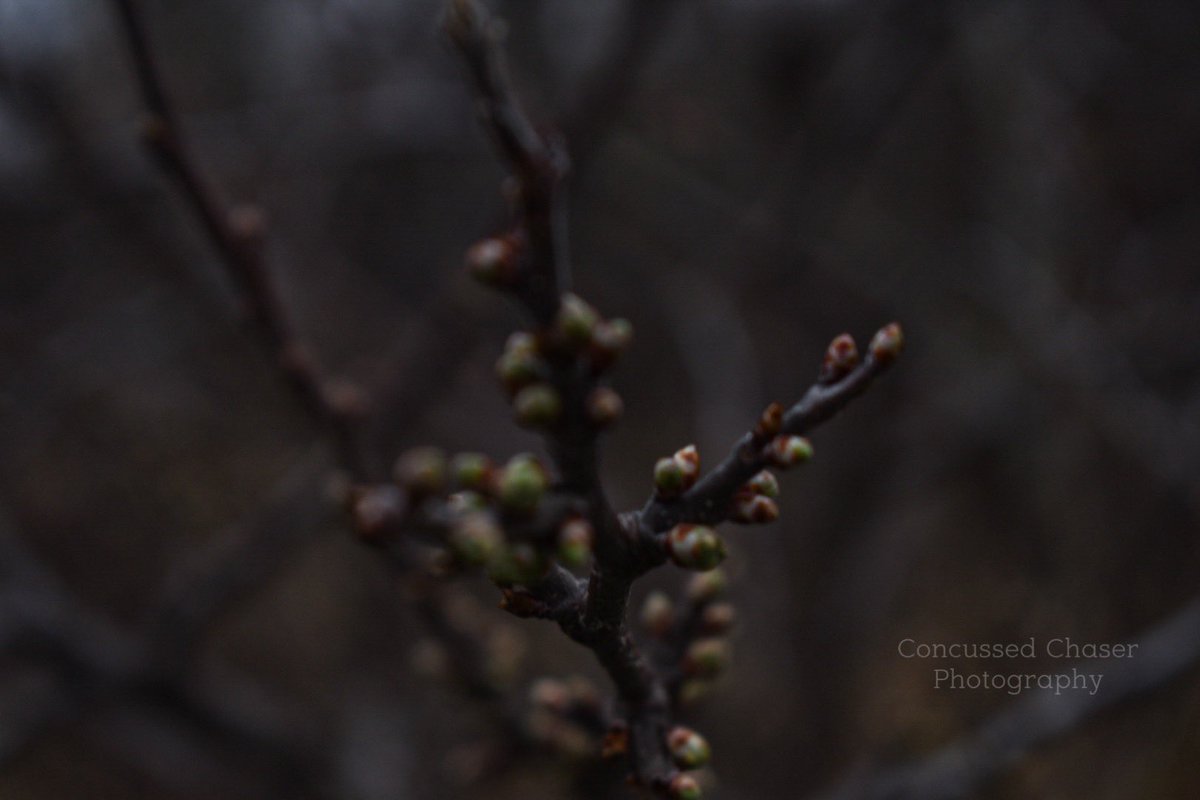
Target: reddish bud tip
754, 509
769, 423
764, 483
695, 547
683, 787
840, 358
887, 343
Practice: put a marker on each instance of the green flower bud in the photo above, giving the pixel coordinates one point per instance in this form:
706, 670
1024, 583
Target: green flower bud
537, 406
689, 461
471, 470
493, 261
658, 613
707, 586
695, 547
518, 368
706, 658
475, 538
609, 339
887, 343
575, 542
522, 484
689, 749
668, 478
604, 406
764, 483
788, 451
754, 509
684, 787
575, 321
422, 470
840, 358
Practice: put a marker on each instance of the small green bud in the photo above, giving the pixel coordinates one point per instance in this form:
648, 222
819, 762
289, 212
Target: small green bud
518, 368
887, 343
658, 613
695, 547
689, 461
475, 538
522, 484
684, 787
754, 509
764, 483
493, 261
575, 321
610, 338
471, 470
421, 471
689, 749
575, 542
706, 658
788, 451
537, 406
668, 477
840, 358
707, 586
604, 406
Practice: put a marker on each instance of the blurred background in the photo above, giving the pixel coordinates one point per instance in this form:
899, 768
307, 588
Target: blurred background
1014, 181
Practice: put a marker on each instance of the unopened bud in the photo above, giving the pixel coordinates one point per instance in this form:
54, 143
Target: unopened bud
658, 613
707, 586
668, 478
764, 483
688, 459
754, 509
493, 261
471, 470
575, 321
475, 538
840, 358
695, 546
604, 406
575, 542
769, 423
522, 484
465, 502
689, 749
519, 367
706, 658
887, 343
537, 406
683, 787
422, 470
610, 338
616, 741
717, 618
788, 451
377, 510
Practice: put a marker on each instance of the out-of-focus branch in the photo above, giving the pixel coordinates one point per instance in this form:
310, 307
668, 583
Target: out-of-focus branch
237, 234
1167, 652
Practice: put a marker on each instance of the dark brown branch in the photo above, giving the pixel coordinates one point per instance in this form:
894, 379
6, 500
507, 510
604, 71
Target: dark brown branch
1167, 652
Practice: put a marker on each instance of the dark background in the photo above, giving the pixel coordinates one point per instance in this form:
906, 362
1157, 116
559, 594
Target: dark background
1014, 181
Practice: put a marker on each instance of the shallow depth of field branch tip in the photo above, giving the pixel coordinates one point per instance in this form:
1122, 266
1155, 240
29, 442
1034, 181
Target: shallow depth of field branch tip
543, 530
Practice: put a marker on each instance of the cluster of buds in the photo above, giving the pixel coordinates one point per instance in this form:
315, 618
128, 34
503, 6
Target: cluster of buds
578, 332
676, 474
707, 652
755, 501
